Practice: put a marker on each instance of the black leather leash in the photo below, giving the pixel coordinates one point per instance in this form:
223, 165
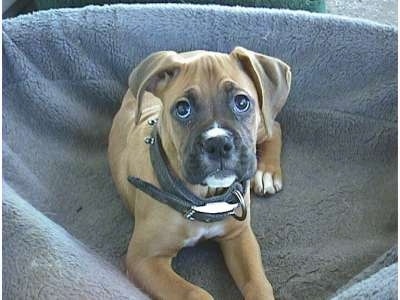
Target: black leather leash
175, 194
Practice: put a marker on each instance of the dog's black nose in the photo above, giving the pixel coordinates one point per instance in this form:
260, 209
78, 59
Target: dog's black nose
218, 147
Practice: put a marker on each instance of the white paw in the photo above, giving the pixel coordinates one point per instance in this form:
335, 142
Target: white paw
267, 183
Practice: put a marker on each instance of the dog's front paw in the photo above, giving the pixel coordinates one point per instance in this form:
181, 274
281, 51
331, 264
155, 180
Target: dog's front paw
267, 182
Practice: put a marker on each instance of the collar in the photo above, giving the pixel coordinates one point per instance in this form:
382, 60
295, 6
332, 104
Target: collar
175, 194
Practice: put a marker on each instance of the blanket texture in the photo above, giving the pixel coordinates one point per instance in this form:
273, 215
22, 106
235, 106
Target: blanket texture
309, 5
65, 229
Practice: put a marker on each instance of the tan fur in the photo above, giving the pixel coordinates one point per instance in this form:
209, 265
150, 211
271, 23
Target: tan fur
160, 232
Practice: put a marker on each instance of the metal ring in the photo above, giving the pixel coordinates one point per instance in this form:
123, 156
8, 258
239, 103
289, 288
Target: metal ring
242, 203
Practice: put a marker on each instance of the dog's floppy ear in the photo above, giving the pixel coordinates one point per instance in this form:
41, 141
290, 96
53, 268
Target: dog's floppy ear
272, 78
153, 74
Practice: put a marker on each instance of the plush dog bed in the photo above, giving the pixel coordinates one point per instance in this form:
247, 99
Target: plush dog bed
65, 230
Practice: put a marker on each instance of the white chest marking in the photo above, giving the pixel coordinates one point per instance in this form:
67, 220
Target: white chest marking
207, 232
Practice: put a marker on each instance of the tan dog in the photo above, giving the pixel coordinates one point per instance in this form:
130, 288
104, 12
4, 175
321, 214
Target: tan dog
216, 124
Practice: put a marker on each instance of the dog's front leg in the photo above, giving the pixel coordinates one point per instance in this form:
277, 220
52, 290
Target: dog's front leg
243, 258
268, 178
148, 265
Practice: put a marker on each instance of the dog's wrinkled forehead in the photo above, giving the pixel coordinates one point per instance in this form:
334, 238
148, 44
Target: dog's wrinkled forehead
207, 73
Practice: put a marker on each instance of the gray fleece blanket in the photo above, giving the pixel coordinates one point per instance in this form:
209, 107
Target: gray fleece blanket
65, 230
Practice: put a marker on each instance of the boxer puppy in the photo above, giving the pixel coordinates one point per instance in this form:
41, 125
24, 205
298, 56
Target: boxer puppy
213, 116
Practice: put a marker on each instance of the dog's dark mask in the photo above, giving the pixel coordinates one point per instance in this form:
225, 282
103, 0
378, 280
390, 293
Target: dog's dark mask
218, 147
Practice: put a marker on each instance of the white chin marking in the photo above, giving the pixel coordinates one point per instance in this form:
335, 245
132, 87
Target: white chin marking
214, 182
214, 132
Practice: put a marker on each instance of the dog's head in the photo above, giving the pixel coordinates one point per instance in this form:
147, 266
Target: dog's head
213, 106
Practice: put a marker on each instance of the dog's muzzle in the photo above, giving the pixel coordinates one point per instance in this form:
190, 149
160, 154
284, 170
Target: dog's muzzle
219, 148
217, 158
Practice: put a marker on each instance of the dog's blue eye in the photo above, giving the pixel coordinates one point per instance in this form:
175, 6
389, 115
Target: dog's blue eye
242, 103
183, 109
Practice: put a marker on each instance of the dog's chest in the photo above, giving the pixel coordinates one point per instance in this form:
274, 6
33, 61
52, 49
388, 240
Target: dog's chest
203, 232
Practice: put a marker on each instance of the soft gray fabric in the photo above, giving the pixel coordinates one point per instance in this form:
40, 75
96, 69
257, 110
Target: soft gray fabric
45, 262
65, 72
386, 260
381, 285
378, 279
